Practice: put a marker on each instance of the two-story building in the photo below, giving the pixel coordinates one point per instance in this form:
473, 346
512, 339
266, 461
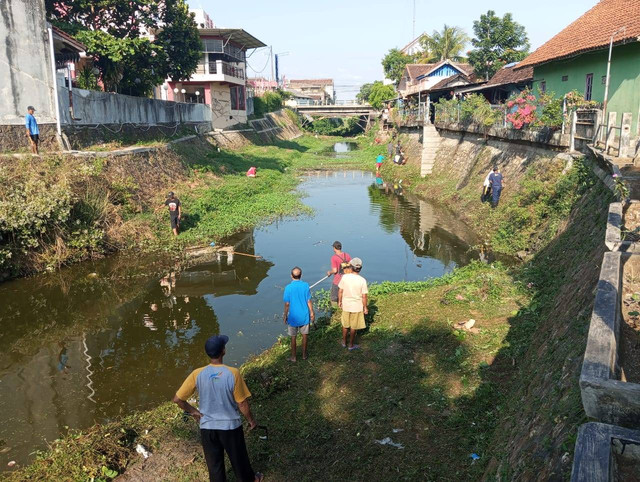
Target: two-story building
220, 79
319, 91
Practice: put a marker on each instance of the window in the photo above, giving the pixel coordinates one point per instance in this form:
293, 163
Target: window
565, 78
543, 86
588, 87
238, 98
604, 79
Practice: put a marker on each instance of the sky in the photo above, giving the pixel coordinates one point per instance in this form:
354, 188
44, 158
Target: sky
345, 40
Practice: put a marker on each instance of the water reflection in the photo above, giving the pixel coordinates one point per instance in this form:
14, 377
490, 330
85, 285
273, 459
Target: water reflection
102, 339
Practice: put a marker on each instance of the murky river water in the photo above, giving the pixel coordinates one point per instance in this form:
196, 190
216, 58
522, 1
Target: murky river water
102, 339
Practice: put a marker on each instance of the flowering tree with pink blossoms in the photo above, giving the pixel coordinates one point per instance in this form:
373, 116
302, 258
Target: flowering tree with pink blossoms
522, 110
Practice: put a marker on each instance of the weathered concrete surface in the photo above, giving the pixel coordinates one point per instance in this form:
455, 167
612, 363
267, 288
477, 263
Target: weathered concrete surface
274, 126
13, 138
544, 137
613, 238
598, 446
430, 146
92, 108
26, 76
604, 396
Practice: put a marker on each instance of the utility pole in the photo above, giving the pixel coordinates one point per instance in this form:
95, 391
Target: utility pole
271, 54
606, 87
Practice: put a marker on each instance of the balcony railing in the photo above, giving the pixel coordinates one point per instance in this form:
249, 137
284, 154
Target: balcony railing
218, 67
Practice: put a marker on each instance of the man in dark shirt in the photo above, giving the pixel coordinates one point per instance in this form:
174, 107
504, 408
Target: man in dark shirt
175, 211
496, 182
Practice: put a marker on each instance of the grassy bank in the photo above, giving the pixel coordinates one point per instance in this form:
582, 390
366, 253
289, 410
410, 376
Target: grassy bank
59, 210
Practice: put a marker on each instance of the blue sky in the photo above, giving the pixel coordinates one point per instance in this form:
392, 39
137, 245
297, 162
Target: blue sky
345, 40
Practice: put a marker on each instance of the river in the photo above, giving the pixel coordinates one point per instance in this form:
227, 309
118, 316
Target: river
100, 339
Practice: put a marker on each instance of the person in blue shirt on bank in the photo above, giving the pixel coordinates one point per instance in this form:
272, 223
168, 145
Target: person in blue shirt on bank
33, 133
298, 311
496, 182
379, 160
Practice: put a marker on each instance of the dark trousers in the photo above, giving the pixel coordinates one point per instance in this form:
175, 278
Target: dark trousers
215, 443
496, 196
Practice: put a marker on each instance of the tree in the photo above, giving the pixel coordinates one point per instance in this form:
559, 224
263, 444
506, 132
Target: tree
380, 93
498, 41
447, 44
393, 64
365, 92
115, 33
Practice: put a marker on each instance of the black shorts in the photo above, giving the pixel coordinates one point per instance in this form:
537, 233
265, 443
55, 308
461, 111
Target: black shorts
334, 293
35, 138
175, 222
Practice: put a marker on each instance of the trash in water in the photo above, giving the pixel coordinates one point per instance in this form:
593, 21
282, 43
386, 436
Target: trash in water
474, 457
11, 464
388, 441
240, 333
142, 451
397, 430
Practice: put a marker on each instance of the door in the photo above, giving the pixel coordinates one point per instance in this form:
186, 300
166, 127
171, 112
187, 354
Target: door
588, 87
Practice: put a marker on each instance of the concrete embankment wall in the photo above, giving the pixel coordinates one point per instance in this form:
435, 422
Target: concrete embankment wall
275, 126
539, 419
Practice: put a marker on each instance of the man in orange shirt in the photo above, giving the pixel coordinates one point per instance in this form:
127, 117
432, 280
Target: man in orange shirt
223, 396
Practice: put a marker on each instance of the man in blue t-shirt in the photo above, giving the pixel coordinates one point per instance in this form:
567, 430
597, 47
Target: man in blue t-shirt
496, 182
298, 311
33, 133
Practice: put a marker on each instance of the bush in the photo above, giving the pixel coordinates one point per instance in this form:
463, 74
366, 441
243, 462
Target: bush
269, 102
335, 127
477, 110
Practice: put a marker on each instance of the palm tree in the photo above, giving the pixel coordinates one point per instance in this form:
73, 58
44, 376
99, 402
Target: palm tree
447, 44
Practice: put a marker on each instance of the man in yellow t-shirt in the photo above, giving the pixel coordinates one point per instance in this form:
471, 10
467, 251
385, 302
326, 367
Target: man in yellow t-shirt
223, 396
352, 298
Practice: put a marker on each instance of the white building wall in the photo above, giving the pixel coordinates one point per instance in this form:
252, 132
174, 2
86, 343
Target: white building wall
26, 76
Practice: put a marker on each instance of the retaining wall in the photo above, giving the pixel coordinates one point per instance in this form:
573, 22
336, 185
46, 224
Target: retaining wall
275, 126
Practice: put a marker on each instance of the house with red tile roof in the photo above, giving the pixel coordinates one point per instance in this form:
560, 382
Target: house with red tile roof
506, 82
576, 58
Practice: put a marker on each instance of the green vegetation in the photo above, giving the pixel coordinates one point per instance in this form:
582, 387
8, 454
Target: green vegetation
113, 31
376, 93
497, 42
269, 102
393, 64
348, 127
446, 44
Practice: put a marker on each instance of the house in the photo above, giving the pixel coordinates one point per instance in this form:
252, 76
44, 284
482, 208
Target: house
260, 85
321, 91
506, 82
576, 58
220, 79
422, 78
414, 47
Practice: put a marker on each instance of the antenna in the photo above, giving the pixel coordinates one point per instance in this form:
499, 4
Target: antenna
414, 19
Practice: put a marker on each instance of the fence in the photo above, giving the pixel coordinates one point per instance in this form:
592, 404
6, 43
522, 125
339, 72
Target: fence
92, 108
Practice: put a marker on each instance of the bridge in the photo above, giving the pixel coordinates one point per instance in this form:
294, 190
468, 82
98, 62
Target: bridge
324, 111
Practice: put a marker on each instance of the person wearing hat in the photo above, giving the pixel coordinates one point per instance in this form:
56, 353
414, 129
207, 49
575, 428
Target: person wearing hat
33, 132
352, 298
175, 211
496, 181
223, 396
339, 261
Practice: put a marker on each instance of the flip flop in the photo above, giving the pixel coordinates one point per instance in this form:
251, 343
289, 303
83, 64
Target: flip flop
259, 476
354, 347
343, 345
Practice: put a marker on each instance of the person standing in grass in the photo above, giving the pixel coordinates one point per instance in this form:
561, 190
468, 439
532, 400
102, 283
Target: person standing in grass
379, 160
223, 396
33, 131
175, 211
496, 181
339, 261
352, 298
298, 311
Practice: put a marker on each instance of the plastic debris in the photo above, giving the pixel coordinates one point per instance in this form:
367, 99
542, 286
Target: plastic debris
388, 441
474, 457
469, 324
213, 243
142, 451
397, 430
11, 464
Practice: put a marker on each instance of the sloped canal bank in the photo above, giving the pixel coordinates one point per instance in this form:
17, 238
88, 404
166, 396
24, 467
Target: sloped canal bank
100, 340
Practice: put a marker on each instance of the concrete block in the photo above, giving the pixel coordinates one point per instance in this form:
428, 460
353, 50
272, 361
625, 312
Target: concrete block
613, 237
604, 396
605, 453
